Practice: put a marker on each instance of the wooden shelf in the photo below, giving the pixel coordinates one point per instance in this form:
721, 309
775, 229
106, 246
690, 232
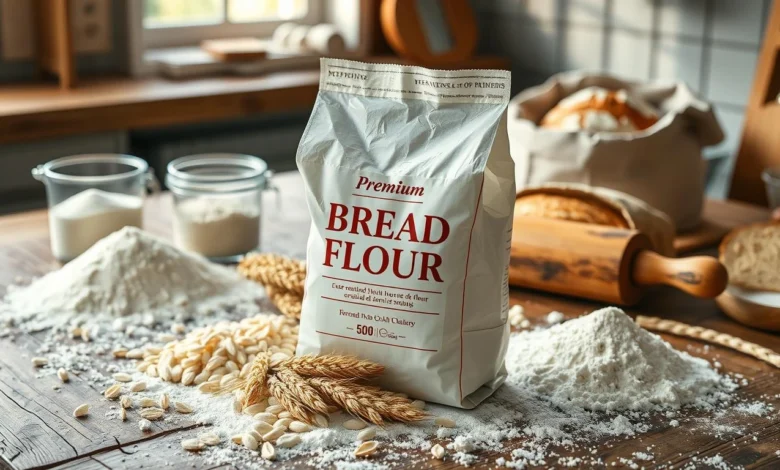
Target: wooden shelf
35, 111
41, 110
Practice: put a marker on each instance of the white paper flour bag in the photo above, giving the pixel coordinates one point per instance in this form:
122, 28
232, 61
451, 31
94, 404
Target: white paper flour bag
411, 192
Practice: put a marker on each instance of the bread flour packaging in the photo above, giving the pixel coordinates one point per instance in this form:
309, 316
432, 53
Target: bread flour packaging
411, 192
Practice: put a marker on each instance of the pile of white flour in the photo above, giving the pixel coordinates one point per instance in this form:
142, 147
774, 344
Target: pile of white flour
605, 362
132, 272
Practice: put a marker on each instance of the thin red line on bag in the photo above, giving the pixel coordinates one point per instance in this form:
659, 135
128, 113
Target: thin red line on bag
387, 198
382, 285
376, 342
378, 306
465, 277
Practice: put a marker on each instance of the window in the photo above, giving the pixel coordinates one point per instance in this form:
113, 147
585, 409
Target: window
170, 23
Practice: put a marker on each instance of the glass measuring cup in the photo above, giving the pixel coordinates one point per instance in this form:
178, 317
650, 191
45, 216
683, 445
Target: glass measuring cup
92, 196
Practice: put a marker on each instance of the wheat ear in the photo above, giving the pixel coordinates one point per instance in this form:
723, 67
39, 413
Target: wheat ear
256, 387
367, 402
275, 270
287, 303
712, 336
334, 367
284, 396
302, 391
273, 259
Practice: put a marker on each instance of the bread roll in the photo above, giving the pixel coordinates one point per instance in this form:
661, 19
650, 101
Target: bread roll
751, 255
600, 206
597, 109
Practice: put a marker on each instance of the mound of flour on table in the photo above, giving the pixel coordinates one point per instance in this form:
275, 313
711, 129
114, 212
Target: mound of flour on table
132, 272
604, 361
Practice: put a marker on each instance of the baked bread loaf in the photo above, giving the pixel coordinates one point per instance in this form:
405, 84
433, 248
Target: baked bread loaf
585, 208
751, 255
597, 109
600, 206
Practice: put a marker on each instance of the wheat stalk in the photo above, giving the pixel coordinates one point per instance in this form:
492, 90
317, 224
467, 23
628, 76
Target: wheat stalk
302, 391
256, 388
273, 259
368, 403
275, 271
287, 303
712, 336
286, 398
334, 367
305, 385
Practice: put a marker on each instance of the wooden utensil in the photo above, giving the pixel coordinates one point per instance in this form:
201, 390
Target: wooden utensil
429, 32
602, 263
236, 49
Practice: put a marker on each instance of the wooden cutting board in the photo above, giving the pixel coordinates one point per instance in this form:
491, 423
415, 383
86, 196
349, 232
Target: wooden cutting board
236, 49
718, 218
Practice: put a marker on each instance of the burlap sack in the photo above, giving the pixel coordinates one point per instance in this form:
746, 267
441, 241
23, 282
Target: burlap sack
661, 165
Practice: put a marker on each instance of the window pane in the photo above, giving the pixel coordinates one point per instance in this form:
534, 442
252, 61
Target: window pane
166, 13
244, 11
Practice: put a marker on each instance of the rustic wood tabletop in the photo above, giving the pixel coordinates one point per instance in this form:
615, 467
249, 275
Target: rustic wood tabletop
37, 430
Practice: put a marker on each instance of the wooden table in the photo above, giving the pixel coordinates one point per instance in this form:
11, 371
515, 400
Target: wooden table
37, 431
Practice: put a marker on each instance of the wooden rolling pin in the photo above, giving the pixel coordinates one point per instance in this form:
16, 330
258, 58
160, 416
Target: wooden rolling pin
602, 263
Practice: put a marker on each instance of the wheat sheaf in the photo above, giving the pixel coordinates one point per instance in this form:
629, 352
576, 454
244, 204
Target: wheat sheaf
305, 386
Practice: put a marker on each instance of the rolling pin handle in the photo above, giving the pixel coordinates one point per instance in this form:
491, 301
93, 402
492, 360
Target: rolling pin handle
702, 276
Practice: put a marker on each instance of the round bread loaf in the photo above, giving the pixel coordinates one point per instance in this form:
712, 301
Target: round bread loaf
598, 109
600, 206
585, 208
751, 255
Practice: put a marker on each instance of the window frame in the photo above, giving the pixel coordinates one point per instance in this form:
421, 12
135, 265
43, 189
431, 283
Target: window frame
192, 35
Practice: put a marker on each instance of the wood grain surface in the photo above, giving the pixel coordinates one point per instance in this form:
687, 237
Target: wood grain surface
37, 430
35, 111
718, 218
41, 110
759, 148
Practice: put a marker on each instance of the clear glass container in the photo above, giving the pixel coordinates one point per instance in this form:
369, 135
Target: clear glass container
771, 177
91, 196
218, 203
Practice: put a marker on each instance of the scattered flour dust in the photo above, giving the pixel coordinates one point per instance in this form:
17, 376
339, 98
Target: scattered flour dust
130, 272
592, 380
540, 425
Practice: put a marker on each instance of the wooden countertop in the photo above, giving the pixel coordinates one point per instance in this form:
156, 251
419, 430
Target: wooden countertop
34, 111
37, 431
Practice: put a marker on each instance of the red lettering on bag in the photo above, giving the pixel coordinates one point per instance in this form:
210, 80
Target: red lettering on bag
376, 259
335, 216
445, 230
432, 266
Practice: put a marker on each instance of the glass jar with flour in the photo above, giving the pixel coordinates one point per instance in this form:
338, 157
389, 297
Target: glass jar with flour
91, 196
217, 203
